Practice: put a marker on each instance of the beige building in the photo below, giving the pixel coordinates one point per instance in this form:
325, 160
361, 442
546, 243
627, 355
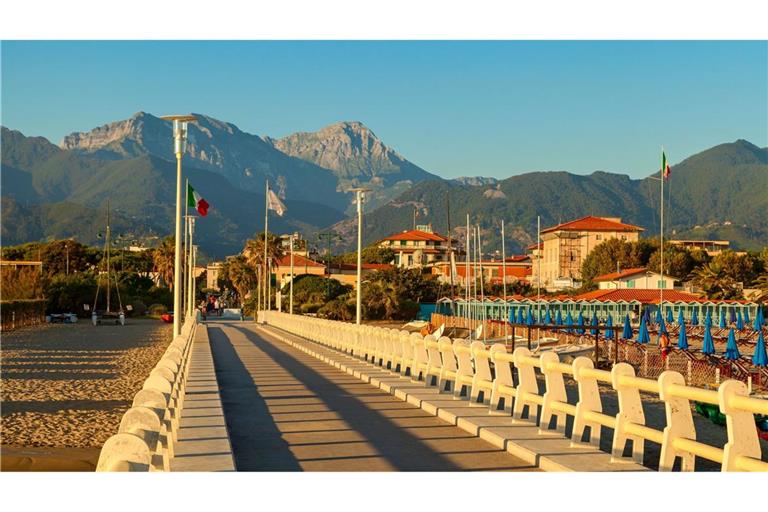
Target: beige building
565, 247
418, 247
634, 278
212, 275
711, 247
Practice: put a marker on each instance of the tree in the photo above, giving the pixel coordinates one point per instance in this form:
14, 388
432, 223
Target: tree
254, 250
716, 282
607, 255
371, 254
239, 274
164, 260
679, 262
313, 291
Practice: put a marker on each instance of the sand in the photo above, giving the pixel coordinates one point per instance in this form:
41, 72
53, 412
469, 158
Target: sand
66, 387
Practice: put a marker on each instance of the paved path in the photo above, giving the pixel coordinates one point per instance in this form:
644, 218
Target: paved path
288, 411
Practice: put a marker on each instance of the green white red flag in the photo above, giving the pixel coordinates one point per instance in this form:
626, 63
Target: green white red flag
665, 169
196, 201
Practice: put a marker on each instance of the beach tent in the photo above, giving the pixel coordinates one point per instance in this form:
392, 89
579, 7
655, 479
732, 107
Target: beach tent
708, 347
682, 339
760, 358
731, 349
627, 333
642, 336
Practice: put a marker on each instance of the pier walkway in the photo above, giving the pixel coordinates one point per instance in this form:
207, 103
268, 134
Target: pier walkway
289, 411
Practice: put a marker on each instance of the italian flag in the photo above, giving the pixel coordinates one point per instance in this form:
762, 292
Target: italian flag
665, 169
195, 201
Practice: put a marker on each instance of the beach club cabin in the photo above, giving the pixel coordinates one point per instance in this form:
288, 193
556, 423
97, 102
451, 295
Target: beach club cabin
634, 278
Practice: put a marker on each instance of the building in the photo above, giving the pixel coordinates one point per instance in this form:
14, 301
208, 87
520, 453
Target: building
301, 265
212, 275
300, 245
517, 269
347, 272
565, 247
418, 247
711, 247
634, 278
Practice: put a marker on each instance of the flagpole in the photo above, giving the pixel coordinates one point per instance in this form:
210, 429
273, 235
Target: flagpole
504, 275
290, 307
266, 222
482, 291
661, 288
186, 246
191, 268
466, 271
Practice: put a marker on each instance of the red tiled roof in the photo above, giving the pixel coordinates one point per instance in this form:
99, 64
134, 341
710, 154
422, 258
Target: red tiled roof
643, 296
518, 257
618, 275
365, 266
536, 246
298, 261
591, 223
416, 235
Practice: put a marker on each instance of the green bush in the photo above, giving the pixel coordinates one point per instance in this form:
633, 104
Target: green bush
407, 310
158, 309
68, 294
158, 295
338, 309
310, 307
139, 308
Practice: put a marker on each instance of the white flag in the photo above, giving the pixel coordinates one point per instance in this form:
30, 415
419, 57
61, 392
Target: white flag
274, 203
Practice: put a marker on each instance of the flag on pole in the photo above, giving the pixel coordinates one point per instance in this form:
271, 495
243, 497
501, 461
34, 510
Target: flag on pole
665, 169
194, 200
274, 203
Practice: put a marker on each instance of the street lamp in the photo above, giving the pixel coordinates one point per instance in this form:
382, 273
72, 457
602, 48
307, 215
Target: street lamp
179, 145
360, 193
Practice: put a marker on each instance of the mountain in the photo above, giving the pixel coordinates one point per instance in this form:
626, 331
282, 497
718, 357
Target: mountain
720, 191
357, 157
62, 193
475, 181
245, 160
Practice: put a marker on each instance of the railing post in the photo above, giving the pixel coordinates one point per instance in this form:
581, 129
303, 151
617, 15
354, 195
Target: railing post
679, 424
630, 411
555, 392
589, 400
742, 434
527, 384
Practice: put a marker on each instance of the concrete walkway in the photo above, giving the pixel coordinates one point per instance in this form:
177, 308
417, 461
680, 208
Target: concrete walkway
288, 411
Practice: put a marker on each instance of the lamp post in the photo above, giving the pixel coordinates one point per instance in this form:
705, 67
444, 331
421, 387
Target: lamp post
191, 268
360, 192
179, 145
290, 303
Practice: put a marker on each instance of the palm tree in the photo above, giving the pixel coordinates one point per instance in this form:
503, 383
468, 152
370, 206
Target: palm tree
761, 283
164, 260
254, 250
714, 280
240, 274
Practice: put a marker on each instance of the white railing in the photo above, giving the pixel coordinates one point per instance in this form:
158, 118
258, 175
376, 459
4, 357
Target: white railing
514, 386
148, 429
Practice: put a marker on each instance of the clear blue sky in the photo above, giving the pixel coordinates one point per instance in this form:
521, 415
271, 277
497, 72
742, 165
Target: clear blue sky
454, 108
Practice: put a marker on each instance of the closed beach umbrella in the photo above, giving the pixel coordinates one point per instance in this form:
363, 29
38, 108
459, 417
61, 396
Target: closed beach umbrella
708, 318
647, 315
559, 318
732, 312
681, 319
731, 349
722, 319
746, 317
682, 338
662, 327
670, 318
548, 317
708, 347
569, 323
627, 333
581, 330
520, 317
659, 318
529, 318
740, 321
609, 323
595, 323
695, 317
642, 336
760, 358
758, 319
512, 316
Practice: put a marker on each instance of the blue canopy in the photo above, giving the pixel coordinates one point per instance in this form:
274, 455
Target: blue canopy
731, 349
758, 319
708, 347
569, 322
642, 336
581, 330
559, 318
595, 323
708, 319
723, 323
695, 317
548, 317
529, 319
732, 312
627, 333
609, 334
682, 339
647, 315
681, 319
520, 317
662, 327
670, 318
746, 317
759, 358
659, 317
740, 321
512, 316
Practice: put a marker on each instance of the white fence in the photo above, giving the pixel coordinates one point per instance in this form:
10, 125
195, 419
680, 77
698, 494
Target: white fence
511, 382
148, 429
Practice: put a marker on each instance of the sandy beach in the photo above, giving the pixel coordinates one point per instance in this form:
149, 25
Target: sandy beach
65, 388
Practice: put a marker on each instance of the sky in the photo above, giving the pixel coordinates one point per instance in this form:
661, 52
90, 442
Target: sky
455, 108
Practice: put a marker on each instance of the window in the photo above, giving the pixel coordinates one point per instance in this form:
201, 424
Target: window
661, 283
598, 237
631, 283
402, 243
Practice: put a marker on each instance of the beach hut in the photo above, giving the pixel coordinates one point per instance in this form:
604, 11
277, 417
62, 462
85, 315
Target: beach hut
529, 319
731, 349
548, 317
569, 323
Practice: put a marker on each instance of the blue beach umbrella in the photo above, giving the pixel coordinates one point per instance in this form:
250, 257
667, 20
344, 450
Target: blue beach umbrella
581, 330
732, 313
670, 318
595, 323
760, 358
731, 349
758, 319
642, 336
609, 332
647, 315
529, 319
695, 317
520, 317
569, 323
512, 316
681, 319
659, 318
708, 347
627, 333
548, 317
746, 317
559, 318
740, 321
723, 323
662, 327
708, 318
682, 338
